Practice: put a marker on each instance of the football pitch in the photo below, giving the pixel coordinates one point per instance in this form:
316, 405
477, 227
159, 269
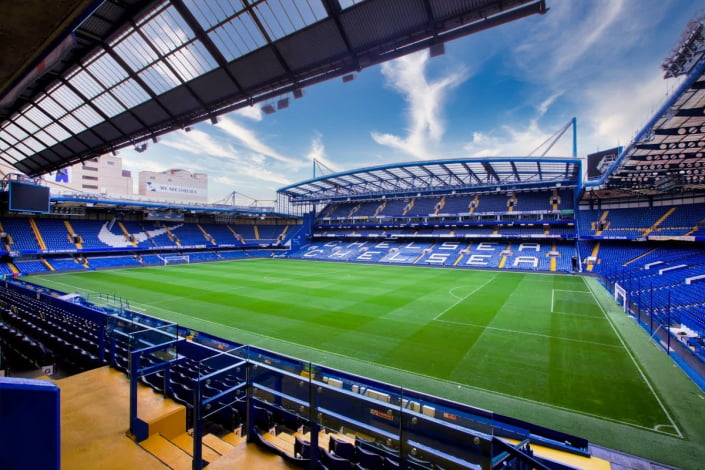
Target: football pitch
507, 341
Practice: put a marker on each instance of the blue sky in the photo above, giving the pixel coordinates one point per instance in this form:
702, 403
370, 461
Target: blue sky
500, 92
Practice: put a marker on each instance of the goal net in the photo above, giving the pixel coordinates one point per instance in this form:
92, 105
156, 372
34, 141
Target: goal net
175, 259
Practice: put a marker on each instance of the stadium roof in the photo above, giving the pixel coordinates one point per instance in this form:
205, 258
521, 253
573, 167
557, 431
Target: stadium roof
668, 154
439, 176
127, 71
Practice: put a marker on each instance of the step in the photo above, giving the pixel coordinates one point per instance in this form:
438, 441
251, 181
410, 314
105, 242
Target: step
185, 442
282, 441
251, 457
233, 438
167, 452
218, 445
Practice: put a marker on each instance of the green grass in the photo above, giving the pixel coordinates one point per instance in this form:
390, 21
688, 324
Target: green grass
551, 349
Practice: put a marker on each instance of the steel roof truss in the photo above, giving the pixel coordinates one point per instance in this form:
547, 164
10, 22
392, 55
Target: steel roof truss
491, 173
471, 173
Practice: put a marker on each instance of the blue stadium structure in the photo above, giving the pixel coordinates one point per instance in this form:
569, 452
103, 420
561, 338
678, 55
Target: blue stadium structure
639, 226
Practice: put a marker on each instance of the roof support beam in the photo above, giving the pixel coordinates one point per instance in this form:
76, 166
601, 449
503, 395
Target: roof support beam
516, 172
333, 9
275, 50
205, 40
162, 59
432, 175
491, 173
90, 104
453, 175
115, 56
472, 173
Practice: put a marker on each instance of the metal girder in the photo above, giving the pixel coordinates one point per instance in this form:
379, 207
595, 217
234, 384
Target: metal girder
471, 172
516, 173
453, 174
489, 169
205, 40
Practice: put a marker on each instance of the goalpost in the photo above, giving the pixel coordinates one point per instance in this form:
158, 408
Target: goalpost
175, 259
620, 293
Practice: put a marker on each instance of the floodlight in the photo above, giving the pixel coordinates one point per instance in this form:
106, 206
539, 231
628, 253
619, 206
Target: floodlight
268, 109
437, 49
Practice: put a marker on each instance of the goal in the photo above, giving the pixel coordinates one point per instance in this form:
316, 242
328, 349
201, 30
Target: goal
175, 259
620, 293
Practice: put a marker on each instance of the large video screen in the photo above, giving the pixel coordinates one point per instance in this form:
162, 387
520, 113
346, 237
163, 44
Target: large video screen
598, 163
27, 197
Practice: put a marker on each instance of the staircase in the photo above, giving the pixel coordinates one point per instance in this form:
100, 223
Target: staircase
94, 410
37, 234
658, 222
206, 235
593, 255
380, 208
602, 223
408, 207
474, 203
177, 452
8, 240
69, 228
354, 210
282, 236
555, 197
237, 236
128, 238
172, 236
441, 204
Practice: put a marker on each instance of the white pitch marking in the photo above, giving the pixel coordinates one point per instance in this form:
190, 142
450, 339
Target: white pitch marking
465, 297
629, 353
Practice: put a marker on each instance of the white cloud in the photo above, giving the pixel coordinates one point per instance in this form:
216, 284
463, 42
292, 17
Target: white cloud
591, 31
616, 112
599, 62
249, 140
545, 105
612, 113
227, 168
199, 143
510, 141
318, 152
571, 38
250, 112
425, 99
251, 168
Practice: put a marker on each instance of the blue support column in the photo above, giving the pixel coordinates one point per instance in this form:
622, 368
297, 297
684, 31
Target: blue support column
575, 137
135, 425
651, 310
668, 333
197, 462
